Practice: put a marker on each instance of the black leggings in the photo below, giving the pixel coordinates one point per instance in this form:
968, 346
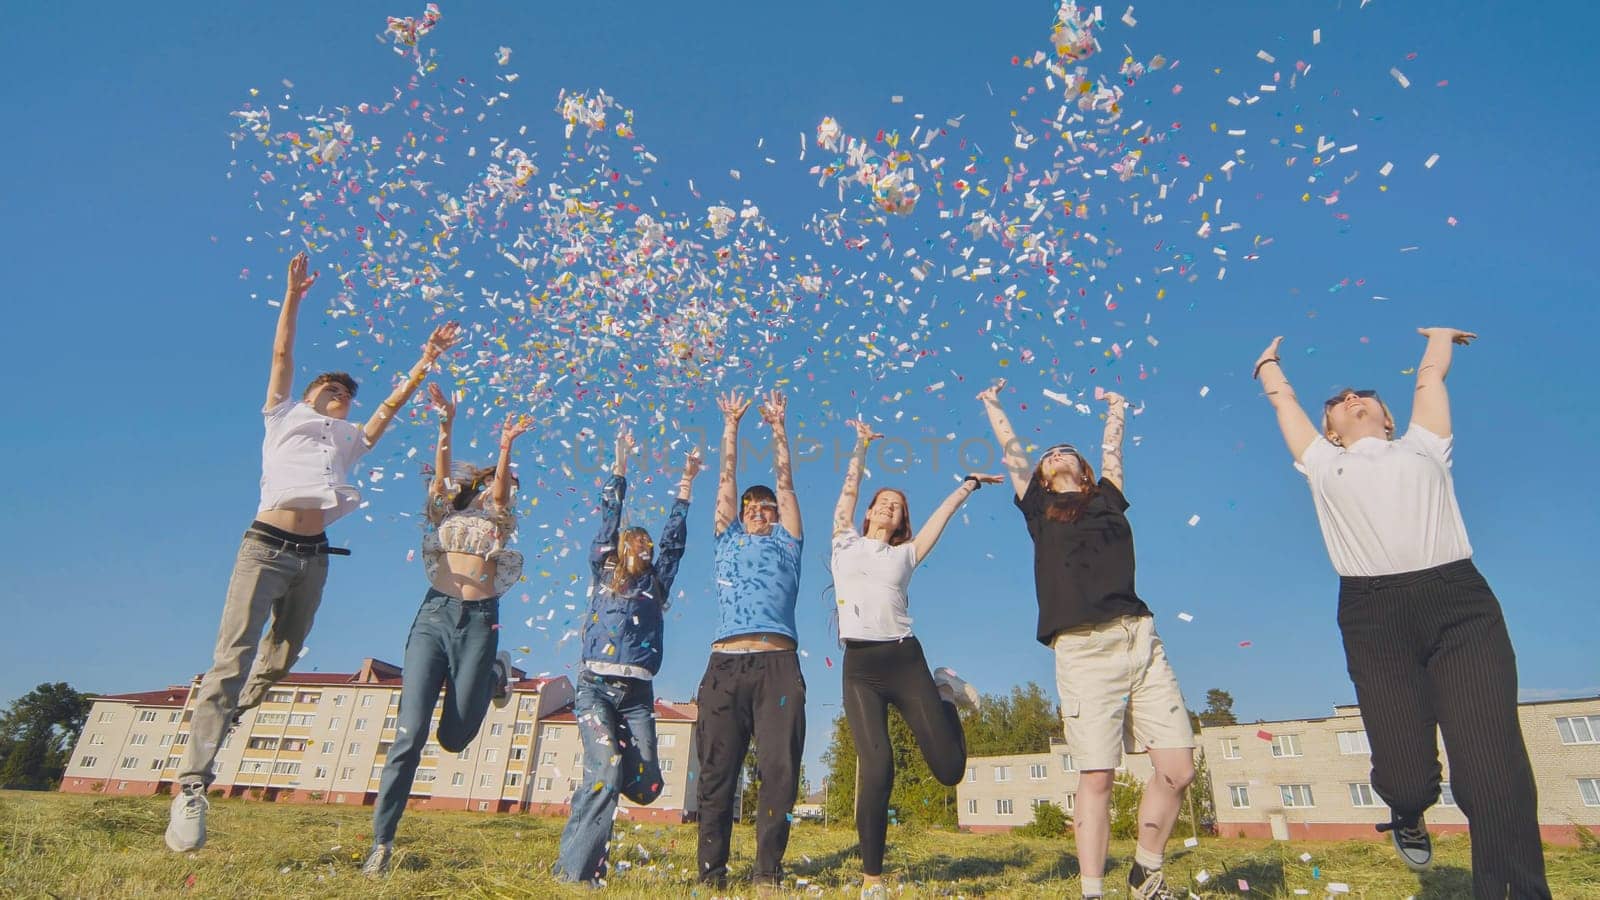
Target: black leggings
876, 674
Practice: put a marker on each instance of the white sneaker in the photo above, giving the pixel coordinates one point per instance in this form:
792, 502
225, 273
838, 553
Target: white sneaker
503, 679
961, 693
377, 863
186, 828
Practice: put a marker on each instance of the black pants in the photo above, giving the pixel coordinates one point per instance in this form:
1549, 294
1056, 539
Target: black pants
743, 695
876, 674
1429, 649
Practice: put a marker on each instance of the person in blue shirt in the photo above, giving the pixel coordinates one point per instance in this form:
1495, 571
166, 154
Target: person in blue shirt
622, 635
752, 686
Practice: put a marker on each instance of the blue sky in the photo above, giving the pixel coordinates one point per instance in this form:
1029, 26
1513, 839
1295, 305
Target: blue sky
133, 437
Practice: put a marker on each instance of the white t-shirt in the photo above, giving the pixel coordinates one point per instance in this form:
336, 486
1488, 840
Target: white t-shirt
1386, 507
306, 460
870, 579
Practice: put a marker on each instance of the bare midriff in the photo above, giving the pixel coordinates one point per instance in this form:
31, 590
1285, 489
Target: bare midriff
759, 641
465, 576
295, 521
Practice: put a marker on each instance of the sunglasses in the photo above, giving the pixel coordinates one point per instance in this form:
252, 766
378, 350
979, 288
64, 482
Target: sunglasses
763, 507
1338, 398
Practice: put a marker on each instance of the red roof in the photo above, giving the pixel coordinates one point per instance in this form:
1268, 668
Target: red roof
172, 696
377, 673
665, 711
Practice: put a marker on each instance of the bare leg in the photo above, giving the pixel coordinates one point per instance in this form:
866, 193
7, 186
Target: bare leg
1091, 821
1163, 796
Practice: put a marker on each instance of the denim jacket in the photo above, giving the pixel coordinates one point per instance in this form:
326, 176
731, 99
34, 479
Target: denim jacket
627, 627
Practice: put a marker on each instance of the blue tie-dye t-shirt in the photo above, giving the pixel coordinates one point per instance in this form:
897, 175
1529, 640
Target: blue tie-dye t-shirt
758, 581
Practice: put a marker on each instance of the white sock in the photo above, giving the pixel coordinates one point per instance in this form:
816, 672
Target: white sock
1093, 887
1150, 859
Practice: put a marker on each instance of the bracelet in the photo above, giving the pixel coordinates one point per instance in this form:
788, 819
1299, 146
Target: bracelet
976, 484
1257, 373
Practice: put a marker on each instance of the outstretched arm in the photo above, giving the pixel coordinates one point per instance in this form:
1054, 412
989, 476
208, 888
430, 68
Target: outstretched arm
439, 490
774, 412
928, 534
616, 487
516, 426
844, 512
442, 339
1111, 443
1012, 455
1298, 432
281, 380
675, 534
1431, 408
733, 406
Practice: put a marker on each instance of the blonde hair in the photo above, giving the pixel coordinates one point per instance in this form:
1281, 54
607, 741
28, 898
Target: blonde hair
1333, 436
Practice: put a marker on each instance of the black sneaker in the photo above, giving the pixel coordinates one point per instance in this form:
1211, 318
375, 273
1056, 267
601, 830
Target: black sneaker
1151, 886
502, 680
1411, 841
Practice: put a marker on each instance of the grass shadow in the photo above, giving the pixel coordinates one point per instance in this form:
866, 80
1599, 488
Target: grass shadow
1445, 883
1265, 876
1063, 868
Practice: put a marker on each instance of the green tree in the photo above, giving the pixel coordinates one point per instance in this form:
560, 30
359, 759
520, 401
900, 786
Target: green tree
37, 734
840, 758
1219, 708
1049, 820
1022, 722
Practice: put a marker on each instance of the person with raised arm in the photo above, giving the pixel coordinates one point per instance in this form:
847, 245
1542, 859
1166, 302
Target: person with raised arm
622, 652
1424, 638
282, 563
883, 661
1118, 691
455, 639
752, 685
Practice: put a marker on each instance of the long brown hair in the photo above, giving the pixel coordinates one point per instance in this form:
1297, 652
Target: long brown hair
623, 573
1069, 506
902, 531
470, 487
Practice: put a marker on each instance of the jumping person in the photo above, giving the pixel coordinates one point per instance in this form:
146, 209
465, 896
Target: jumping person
752, 684
454, 639
1118, 692
883, 661
282, 562
1424, 638
622, 651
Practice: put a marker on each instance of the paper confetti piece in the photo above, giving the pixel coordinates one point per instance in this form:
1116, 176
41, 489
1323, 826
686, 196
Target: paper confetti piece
1191, 842
1431, 160
1400, 77
1194, 520
1185, 617
1264, 735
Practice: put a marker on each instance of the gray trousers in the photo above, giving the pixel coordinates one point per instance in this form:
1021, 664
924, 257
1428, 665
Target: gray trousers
251, 654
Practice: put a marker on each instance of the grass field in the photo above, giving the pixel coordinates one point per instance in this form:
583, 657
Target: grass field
65, 845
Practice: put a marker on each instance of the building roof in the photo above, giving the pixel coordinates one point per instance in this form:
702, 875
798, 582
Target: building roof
665, 712
375, 672
173, 696
1351, 710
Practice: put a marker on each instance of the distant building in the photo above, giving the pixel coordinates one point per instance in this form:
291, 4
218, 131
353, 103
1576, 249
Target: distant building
1000, 792
323, 738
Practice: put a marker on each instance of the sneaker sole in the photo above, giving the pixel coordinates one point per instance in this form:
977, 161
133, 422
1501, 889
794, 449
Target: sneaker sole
1412, 864
176, 846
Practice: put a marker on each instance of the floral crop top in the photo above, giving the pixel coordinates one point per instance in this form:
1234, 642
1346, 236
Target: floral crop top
481, 532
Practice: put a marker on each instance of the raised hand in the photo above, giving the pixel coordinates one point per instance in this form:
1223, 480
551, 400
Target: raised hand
443, 338
983, 478
692, 464
441, 402
733, 405
991, 394
1113, 399
299, 280
1268, 355
517, 425
625, 443
864, 432
1456, 335
772, 411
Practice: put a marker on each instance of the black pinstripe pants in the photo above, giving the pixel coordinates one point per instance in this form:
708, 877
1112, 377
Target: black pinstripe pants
1429, 649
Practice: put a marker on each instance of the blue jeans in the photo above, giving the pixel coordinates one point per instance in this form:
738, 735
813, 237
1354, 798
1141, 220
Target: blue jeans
451, 643
616, 720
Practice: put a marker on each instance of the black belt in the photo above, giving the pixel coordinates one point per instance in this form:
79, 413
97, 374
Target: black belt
304, 549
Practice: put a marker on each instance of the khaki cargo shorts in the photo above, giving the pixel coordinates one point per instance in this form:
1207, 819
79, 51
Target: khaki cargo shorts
1118, 692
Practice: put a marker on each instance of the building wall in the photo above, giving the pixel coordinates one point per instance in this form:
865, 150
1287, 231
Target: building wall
119, 732
1338, 777
1029, 777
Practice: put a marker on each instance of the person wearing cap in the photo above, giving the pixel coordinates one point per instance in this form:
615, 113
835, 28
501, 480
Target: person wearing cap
1118, 692
883, 661
282, 564
1424, 638
455, 639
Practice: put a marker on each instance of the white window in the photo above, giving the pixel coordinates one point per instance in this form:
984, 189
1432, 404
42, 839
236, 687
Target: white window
262, 743
366, 701
519, 754
522, 728
108, 716
552, 732
389, 722
338, 699
156, 763
1296, 795
172, 763
1579, 729
1589, 789
309, 697
972, 807
483, 806
139, 740
1002, 807
1072, 801
319, 772
96, 740
667, 740
486, 780
1067, 765
183, 738
166, 740
1036, 772
1447, 797
548, 758
1361, 795
361, 724
1002, 773
1230, 748
1354, 743
147, 715
353, 749
88, 761
333, 724
491, 755
1284, 745
377, 773
972, 773
286, 768
458, 779
430, 750
496, 730
394, 698
271, 718
327, 746
130, 762
513, 779
572, 785
427, 776
1037, 802
280, 696
666, 790
666, 765
526, 705
543, 784
346, 772
465, 755
172, 718
1240, 795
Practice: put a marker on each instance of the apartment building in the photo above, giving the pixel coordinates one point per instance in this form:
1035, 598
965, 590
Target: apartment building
324, 737
1000, 792
1311, 778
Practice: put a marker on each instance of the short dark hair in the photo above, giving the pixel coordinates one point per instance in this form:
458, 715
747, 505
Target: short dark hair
756, 493
341, 378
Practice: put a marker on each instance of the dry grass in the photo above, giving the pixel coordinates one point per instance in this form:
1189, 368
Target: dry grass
63, 845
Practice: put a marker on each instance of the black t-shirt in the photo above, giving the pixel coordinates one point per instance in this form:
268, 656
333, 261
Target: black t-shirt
1082, 570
